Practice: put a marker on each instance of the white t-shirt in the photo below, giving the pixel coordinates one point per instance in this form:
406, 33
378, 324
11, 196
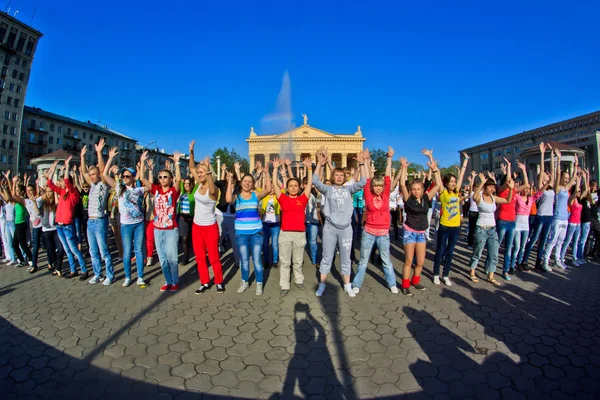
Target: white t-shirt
130, 205
35, 217
10, 212
204, 209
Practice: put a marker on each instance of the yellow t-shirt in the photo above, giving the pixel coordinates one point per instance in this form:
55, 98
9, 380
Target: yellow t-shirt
450, 212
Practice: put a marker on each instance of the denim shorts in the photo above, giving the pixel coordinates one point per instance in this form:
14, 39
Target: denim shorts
413, 237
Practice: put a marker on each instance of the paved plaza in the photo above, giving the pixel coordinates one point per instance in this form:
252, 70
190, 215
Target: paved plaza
534, 337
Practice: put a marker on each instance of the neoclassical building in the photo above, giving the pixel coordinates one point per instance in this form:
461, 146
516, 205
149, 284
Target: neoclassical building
303, 141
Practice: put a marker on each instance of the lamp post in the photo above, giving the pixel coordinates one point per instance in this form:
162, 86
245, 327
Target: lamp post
218, 167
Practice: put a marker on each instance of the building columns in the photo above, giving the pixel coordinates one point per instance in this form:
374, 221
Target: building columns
344, 160
252, 157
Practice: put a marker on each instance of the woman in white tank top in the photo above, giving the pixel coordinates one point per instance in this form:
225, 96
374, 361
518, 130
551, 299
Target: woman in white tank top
205, 231
485, 229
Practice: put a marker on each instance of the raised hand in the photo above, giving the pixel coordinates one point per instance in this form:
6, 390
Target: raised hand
427, 153
150, 164
258, 166
390, 152
511, 184
67, 162
287, 161
520, 165
404, 163
360, 157
176, 156
432, 165
83, 150
482, 177
307, 162
230, 177
465, 155
236, 166
542, 147
114, 170
503, 168
168, 164
144, 156
367, 154
100, 146
112, 153
473, 173
223, 167
276, 162
192, 144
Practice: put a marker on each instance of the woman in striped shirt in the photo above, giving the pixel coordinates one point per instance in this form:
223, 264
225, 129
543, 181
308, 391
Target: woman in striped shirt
248, 226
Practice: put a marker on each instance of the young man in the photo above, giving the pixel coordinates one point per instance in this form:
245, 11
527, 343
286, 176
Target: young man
338, 211
97, 226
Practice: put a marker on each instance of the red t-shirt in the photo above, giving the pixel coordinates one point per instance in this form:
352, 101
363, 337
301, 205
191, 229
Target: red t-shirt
293, 212
165, 204
378, 207
508, 212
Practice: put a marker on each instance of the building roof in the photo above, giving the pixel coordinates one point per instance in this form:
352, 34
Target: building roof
305, 132
16, 21
59, 154
86, 125
565, 148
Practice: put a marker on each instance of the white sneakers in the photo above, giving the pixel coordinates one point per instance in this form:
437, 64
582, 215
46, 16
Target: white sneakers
320, 290
259, 289
127, 282
140, 282
243, 287
394, 289
348, 289
356, 290
559, 263
447, 281
95, 280
107, 282
149, 262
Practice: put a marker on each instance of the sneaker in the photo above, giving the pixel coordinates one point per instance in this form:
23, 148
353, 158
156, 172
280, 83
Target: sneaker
202, 289
149, 262
418, 286
220, 288
30, 263
436, 280
259, 289
447, 281
95, 280
284, 292
320, 290
406, 291
559, 263
511, 271
348, 289
127, 282
21, 265
300, 286
140, 282
73, 275
580, 262
12, 262
165, 287
394, 289
506, 276
356, 290
174, 288
107, 282
243, 287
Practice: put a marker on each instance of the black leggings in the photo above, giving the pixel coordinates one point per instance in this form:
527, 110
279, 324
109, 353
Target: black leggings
54, 249
20, 241
472, 222
394, 215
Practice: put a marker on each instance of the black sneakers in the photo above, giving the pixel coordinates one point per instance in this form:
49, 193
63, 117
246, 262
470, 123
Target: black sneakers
84, 276
418, 286
220, 288
406, 291
202, 289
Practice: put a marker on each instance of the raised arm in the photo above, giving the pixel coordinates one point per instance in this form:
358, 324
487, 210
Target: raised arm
267, 188
433, 167
574, 177
586, 183
388, 165
557, 172
523, 169
238, 171
192, 163
147, 183
463, 169
319, 185
511, 188
105, 173
68, 183
309, 176
229, 196
99, 148
574, 196
276, 164
403, 178
14, 196
213, 191
177, 181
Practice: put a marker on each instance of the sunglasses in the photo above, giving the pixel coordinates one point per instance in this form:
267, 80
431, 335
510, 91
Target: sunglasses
127, 176
164, 177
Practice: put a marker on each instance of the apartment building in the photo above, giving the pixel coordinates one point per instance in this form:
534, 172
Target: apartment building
18, 43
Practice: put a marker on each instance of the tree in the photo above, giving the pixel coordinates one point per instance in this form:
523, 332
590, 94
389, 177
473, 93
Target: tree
379, 158
229, 157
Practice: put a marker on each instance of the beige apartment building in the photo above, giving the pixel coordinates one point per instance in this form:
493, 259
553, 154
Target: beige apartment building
579, 137
18, 43
44, 132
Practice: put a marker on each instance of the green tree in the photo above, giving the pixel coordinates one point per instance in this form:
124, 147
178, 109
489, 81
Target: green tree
379, 158
229, 157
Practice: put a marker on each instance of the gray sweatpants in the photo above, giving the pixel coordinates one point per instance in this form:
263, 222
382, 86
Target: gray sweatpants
341, 237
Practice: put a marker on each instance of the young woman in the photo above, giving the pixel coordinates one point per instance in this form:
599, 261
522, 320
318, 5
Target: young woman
574, 229
417, 204
338, 210
114, 221
6, 249
449, 230
33, 204
205, 229
149, 220
185, 212
292, 238
248, 226
560, 222
166, 233
485, 231
17, 192
377, 227
313, 222
96, 218
9, 230
545, 211
587, 203
226, 212
68, 197
271, 221
473, 210
54, 249
131, 216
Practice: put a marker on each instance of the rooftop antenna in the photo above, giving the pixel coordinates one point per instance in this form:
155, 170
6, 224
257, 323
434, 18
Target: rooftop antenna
6, 7
15, 14
33, 14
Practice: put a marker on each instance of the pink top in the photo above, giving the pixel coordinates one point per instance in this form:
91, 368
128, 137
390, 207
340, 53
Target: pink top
523, 206
575, 217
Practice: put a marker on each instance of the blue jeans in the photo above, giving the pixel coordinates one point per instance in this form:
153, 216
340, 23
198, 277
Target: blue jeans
271, 252
357, 222
37, 239
246, 244
9, 233
78, 230
518, 248
585, 231
485, 237
312, 231
132, 236
97, 229
573, 233
506, 229
446, 241
541, 229
166, 241
67, 238
366, 245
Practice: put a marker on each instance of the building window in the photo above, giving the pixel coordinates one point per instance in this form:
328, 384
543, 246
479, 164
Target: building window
3, 29
30, 44
16, 103
18, 88
11, 145
6, 114
31, 137
9, 100
21, 42
25, 63
51, 140
57, 140
4, 144
507, 151
85, 136
15, 73
60, 129
42, 125
18, 61
484, 156
12, 36
51, 127
13, 130
10, 159
2, 83
75, 134
91, 136
21, 76
49, 150
5, 129
3, 158
15, 117
11, 87
69, 131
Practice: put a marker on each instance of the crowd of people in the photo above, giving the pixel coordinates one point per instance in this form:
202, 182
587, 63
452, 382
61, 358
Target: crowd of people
273, 215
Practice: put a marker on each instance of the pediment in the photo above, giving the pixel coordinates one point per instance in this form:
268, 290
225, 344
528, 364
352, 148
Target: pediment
305, 131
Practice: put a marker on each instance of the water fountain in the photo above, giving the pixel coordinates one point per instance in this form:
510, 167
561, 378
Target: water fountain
280, 120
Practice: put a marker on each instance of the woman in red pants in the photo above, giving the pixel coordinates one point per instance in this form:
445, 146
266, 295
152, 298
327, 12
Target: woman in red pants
205, 231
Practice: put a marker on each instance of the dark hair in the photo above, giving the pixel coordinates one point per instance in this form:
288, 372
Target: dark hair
287, 184
446, 180
489, 182
32, 187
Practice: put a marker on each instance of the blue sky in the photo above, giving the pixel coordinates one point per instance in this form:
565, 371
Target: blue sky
441, 74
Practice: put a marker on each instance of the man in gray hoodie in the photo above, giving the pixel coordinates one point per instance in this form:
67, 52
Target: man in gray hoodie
338, 211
